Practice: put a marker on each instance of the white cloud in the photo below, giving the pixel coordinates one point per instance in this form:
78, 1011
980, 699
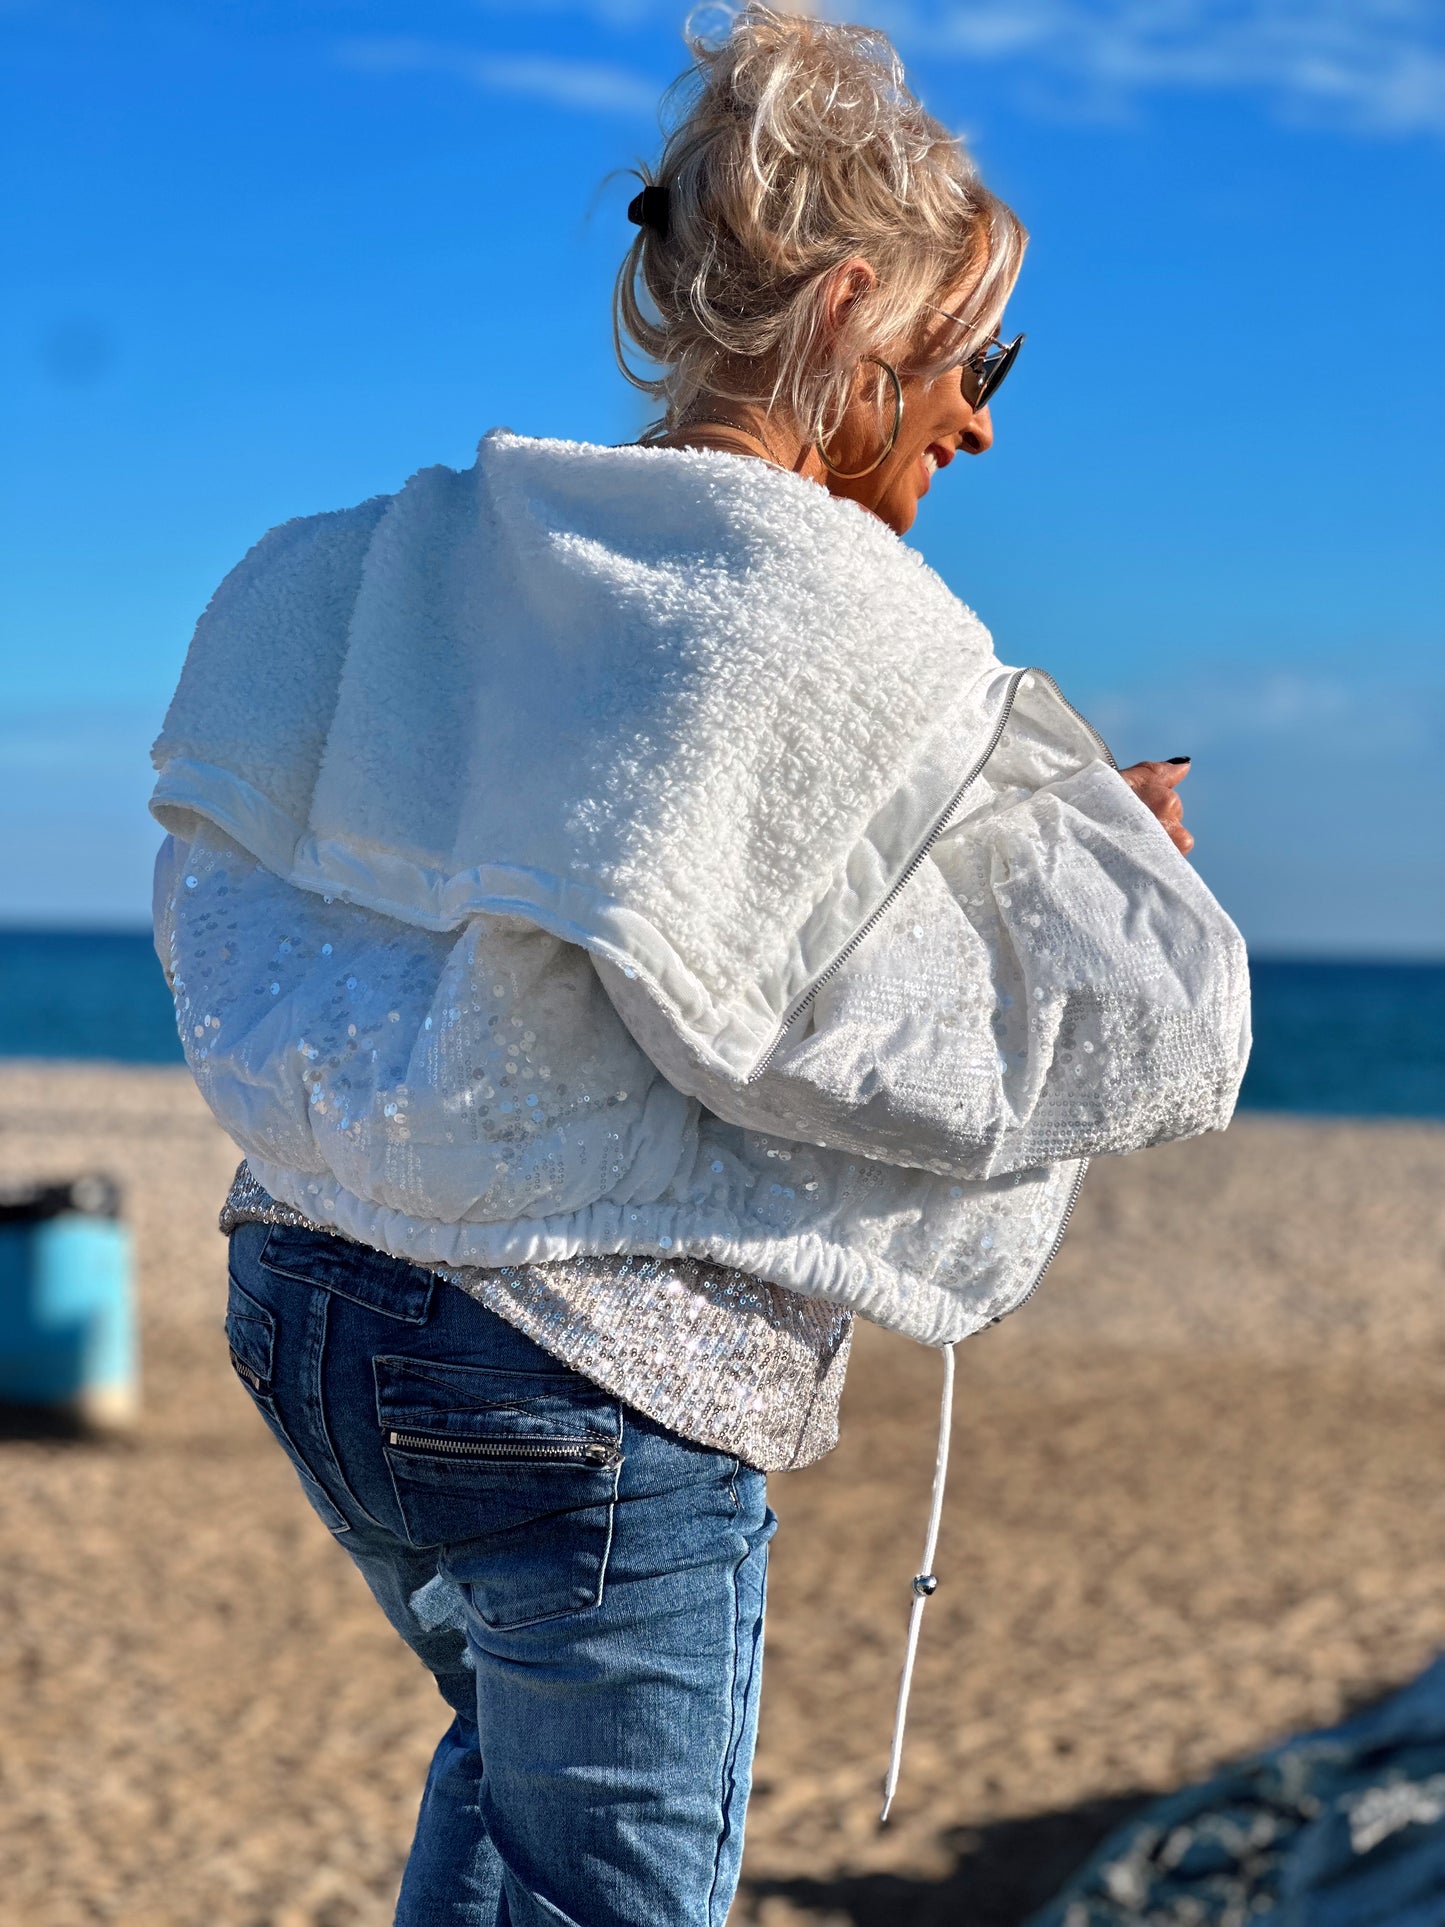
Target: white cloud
611, 13
1353, 720
593, 85
1374, 65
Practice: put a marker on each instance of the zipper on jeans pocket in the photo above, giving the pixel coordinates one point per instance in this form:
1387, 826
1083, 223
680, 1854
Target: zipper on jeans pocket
524, 1451
243, 1370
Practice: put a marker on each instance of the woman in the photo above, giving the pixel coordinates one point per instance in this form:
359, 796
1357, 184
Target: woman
631, 922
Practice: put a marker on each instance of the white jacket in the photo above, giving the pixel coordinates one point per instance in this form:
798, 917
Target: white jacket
636, 849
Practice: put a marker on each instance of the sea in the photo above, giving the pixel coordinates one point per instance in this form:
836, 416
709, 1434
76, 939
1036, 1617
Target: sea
1331, 1038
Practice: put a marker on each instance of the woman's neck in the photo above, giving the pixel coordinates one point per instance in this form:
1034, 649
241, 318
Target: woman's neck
743, 428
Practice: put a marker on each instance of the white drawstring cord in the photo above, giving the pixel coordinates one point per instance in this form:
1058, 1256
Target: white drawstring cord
924, 1585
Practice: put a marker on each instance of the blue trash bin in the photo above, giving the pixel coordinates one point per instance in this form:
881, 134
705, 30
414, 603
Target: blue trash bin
67, 1308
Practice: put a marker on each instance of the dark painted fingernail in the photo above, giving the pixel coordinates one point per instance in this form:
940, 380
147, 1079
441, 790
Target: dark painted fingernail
1181, 759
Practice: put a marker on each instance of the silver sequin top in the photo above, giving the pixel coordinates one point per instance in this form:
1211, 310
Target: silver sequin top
712, 1353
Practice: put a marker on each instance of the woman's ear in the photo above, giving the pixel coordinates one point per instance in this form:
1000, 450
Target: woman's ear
847, 285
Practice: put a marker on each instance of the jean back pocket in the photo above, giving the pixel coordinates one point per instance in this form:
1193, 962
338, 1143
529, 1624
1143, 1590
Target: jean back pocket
511, 1475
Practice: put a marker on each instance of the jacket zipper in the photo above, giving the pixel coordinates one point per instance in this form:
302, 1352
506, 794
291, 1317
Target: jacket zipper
530, 1451
1053, 1250
1044, 676
915, 862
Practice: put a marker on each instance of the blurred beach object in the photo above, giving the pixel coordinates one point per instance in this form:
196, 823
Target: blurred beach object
1330, 1038
67, 1314
1337, 1828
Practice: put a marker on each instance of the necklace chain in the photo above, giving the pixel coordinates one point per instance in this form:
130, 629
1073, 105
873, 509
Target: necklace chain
714, 418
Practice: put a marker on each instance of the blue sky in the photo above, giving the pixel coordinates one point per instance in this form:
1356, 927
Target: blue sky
267, 259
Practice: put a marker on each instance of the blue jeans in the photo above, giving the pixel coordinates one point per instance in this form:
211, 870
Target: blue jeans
586, 1587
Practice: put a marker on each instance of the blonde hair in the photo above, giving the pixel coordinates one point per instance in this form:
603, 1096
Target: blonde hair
798, 147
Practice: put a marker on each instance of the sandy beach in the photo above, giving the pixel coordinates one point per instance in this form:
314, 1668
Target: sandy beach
1196, 1502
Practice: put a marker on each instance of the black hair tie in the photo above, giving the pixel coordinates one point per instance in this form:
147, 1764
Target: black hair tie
649, 209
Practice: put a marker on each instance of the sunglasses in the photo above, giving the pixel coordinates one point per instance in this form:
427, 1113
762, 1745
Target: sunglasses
983, 372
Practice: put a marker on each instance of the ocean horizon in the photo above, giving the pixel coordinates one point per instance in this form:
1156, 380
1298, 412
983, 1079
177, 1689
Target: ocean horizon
1333, 1037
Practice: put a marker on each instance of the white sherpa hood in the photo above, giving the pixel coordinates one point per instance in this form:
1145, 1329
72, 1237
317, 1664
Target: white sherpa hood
682, 709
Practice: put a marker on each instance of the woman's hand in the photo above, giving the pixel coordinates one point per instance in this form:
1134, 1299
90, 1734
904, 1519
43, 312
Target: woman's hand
1156, 786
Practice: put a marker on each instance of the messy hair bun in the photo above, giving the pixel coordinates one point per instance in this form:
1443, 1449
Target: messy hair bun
797, 146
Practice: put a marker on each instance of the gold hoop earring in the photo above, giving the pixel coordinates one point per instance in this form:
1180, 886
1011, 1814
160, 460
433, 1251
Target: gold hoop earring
852, 474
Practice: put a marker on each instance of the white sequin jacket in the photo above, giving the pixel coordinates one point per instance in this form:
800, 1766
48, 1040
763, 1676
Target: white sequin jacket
632, 849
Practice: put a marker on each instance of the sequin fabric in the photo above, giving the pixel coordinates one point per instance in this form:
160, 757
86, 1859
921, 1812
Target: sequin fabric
713, 1354
472, 1099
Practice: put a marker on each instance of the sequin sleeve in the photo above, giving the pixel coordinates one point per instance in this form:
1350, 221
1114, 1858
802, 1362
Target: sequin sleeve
1055, 981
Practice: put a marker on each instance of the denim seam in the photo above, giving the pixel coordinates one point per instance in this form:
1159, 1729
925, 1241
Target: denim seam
318, 1394
612, 1504
263, 1395
265, 1402
727, 1776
